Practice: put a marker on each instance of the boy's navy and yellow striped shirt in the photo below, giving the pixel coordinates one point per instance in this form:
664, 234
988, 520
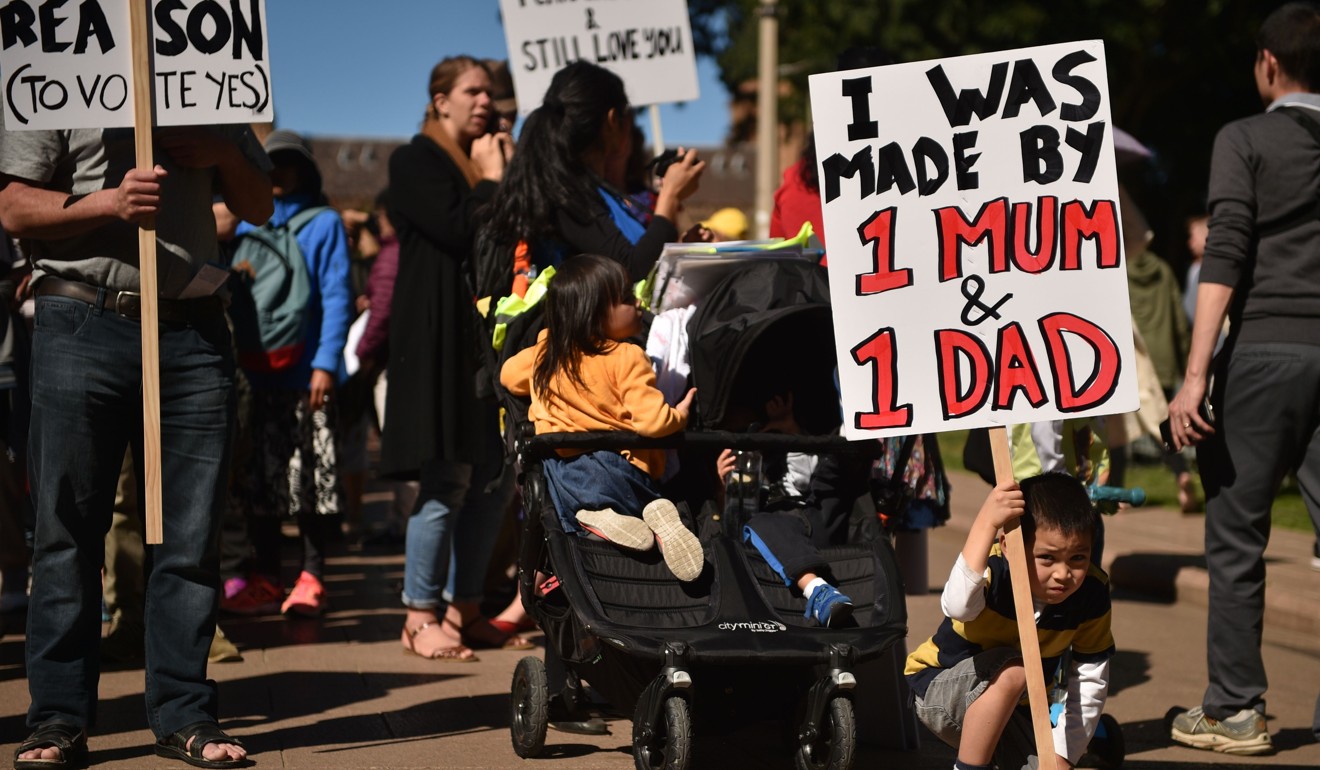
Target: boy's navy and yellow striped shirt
1082, 621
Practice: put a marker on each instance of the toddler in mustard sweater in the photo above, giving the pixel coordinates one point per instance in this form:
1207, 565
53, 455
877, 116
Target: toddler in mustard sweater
582, 376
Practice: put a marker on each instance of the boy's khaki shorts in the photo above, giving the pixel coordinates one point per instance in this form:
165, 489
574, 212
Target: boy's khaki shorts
944, 706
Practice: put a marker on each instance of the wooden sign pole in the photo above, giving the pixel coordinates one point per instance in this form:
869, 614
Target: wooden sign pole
142, 123
1026, 614
657, 131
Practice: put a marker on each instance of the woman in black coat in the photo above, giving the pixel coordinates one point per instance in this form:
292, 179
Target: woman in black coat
436, 428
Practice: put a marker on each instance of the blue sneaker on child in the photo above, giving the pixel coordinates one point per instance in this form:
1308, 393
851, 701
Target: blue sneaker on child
828, 606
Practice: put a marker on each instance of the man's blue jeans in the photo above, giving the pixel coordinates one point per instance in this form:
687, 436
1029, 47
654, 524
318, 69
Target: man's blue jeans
86, 408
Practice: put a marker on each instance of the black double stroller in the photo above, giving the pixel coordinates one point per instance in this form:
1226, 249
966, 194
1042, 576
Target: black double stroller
732, 645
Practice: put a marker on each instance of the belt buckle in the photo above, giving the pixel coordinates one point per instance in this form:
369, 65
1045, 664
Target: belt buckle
128, 304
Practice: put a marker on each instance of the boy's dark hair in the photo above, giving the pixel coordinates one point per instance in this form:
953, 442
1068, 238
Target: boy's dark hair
577, 303
1056, 501
1292, 34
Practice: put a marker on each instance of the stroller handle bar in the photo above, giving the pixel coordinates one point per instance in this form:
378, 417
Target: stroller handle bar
544, 445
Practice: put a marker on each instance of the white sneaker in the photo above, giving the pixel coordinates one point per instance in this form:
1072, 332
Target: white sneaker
624, 531
1244, 733
681, 548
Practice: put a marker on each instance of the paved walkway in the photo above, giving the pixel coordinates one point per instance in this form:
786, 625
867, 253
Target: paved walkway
338, 693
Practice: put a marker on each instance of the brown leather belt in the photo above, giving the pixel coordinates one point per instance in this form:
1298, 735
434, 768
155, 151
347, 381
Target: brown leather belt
128, 304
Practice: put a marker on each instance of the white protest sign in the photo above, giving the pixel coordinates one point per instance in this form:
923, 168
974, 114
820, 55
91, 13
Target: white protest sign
648, 43
975, 254
212, 62
67, 65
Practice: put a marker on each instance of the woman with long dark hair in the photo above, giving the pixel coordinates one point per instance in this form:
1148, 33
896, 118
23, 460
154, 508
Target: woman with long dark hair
436, 427
554, 197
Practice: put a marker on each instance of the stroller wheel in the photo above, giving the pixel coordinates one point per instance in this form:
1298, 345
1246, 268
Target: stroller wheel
833, 744
671, 747
529, 708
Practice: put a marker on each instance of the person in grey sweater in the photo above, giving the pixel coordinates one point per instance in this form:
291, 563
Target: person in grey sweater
1262, 270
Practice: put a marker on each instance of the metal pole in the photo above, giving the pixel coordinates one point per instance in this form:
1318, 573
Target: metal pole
767, 117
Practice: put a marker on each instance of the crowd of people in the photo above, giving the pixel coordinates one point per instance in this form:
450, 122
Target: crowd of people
266, 405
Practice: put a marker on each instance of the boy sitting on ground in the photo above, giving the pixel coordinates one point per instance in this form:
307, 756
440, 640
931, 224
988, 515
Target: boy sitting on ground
969, 678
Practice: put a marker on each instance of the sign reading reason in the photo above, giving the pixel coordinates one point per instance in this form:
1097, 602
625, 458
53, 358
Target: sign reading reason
69, 65
648, 43
976, 258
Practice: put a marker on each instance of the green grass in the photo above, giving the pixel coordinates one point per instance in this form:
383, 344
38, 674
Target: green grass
1289, 510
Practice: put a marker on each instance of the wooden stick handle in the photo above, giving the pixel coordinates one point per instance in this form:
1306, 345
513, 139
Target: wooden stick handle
1026, 614
142, 124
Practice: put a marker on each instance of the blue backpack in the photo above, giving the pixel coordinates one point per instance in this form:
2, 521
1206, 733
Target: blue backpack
271, 296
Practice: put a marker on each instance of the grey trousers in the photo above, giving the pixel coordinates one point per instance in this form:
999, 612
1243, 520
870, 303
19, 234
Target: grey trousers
1267, 409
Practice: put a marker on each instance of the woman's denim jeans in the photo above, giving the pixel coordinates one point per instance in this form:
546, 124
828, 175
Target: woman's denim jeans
86, 409
453, 531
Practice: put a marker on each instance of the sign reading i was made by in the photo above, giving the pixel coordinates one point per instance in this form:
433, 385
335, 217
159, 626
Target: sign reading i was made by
648, 43
69, 65
976, 259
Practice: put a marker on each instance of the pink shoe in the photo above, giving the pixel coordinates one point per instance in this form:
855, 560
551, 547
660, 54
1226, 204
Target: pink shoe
256, 596
233, 586
307, 597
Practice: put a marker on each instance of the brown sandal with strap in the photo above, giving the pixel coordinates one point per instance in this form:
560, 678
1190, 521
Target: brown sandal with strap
71, 742
455, 654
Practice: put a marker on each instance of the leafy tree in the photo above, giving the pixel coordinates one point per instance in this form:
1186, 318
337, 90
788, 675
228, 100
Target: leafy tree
1178, 69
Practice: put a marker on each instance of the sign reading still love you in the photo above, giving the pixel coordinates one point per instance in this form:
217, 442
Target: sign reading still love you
648, 43
976, 261
67, 64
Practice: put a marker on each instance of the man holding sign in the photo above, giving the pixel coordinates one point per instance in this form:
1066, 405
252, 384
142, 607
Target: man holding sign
123, 357
77, 201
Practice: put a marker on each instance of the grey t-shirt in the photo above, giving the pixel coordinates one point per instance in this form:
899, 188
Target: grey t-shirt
82, 161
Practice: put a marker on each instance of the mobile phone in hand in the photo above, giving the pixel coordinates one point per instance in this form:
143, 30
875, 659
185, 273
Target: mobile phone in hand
1207, 413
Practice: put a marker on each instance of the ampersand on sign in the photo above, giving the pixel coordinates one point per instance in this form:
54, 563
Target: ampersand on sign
972, 288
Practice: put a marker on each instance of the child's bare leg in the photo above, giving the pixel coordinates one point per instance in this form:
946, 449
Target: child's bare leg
989, 714
806, 579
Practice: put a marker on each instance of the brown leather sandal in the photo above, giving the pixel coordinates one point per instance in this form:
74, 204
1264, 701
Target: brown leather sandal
187, 744
69, 739
459, 653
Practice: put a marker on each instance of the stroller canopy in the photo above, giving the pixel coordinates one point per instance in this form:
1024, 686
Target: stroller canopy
765, 330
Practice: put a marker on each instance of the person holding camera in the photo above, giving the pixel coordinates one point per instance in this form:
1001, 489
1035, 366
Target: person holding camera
555, 198
1261, 269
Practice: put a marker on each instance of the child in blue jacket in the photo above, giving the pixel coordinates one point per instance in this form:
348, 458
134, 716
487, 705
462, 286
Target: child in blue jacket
292, 469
